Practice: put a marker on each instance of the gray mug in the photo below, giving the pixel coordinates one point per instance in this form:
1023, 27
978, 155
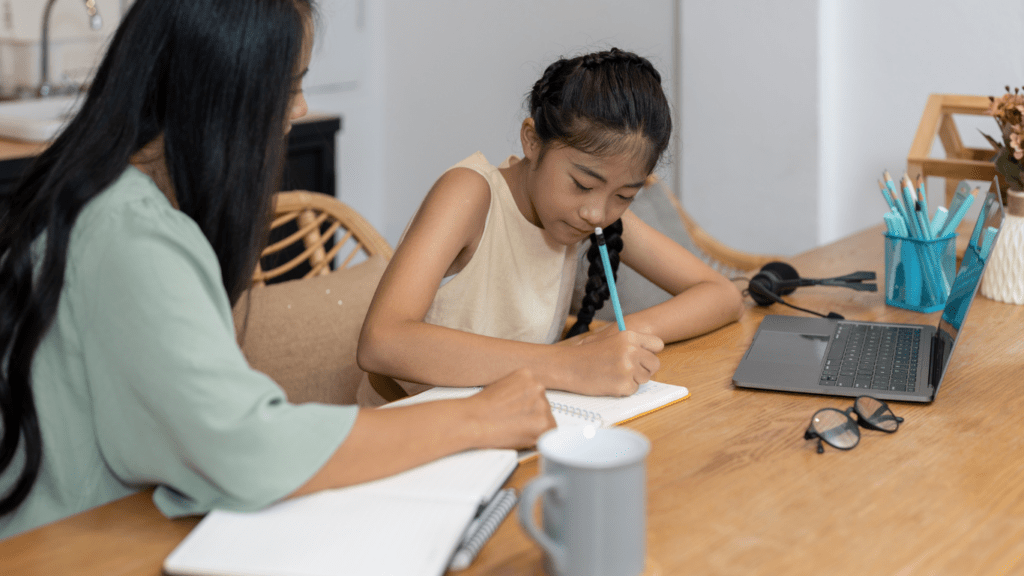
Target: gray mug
594, 487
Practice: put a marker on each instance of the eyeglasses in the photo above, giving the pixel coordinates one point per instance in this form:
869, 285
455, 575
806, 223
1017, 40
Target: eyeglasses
840, 430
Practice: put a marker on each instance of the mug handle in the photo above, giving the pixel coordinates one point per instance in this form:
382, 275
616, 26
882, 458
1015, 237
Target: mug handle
531, 492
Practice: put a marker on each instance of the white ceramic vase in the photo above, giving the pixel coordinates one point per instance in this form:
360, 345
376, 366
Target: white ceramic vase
1004, 275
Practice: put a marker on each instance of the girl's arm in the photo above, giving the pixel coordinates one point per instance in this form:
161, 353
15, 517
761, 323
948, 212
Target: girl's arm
703, 298
440, 240
511, 413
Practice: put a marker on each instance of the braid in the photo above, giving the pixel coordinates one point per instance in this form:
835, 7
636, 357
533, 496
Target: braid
549, 86
615, 56
594, 102
597, 286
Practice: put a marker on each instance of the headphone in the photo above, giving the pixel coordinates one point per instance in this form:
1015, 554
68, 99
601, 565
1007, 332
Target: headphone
776, 279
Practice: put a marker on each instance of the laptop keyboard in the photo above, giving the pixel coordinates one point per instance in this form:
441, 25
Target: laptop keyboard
873, 357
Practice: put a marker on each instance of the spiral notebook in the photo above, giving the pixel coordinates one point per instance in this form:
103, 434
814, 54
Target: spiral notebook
409, 524
571, 409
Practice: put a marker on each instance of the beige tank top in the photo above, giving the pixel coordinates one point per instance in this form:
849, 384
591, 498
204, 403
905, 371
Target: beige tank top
517, 285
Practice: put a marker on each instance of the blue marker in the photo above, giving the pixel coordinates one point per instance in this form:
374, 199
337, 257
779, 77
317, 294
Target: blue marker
939, 220
610, 277
986, 242
954, 218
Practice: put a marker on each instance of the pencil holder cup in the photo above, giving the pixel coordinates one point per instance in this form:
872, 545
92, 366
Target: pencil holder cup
919, 273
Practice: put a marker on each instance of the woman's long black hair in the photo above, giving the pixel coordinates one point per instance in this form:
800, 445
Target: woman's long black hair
602, 103
215, 78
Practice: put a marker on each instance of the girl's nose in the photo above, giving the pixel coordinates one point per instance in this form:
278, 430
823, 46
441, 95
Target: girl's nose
593, 213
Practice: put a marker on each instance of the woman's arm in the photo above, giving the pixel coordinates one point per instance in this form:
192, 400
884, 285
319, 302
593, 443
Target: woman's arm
703, 299
441, 240
510, 413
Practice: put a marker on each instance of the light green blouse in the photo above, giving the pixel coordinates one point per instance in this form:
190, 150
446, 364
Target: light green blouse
140, 382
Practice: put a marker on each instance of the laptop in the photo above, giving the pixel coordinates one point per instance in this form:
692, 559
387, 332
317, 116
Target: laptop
889, 361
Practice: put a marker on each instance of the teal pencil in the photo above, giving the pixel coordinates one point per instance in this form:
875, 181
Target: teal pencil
920, 192
898, 203
915, 226
963, 190
979, 224
885, 195
610, 278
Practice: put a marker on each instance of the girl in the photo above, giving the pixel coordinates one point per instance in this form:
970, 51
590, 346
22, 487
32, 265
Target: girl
121, 254
480, 284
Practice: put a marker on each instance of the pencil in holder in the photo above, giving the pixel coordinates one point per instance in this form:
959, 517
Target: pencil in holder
919, 273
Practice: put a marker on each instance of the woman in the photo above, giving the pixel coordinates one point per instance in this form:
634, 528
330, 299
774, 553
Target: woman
121, 254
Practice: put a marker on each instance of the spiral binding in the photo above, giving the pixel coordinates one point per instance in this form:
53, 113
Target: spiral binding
505, 500
580, 413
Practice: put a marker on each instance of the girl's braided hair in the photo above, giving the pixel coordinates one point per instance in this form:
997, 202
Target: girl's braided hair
602, 103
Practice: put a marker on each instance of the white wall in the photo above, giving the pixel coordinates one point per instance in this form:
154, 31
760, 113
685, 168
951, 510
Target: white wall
749, 121
791, 110
444, 79
889, 57
787, 112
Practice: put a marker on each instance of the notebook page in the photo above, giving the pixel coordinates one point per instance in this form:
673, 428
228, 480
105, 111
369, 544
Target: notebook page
333, 532
571, 409
609, 410
474, 474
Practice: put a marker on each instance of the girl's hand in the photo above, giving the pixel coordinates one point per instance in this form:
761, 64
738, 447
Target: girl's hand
512, 412
613, 363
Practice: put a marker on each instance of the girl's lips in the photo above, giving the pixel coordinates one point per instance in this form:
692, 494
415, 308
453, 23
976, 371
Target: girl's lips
584, 232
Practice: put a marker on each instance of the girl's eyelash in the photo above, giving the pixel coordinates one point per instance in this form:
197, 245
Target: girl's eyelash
627, 198
581, 186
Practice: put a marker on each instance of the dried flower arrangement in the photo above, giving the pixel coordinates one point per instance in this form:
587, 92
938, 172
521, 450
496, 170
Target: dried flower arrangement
1008, 111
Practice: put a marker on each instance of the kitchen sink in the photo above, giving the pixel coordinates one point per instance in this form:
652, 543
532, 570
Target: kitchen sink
37, 119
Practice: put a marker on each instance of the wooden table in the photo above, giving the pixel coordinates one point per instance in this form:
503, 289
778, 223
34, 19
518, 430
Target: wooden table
733, 488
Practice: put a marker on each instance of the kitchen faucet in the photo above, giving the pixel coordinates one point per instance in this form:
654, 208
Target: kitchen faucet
95, 22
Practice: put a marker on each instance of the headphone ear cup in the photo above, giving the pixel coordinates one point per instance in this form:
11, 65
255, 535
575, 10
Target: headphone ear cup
780, 272
761, 285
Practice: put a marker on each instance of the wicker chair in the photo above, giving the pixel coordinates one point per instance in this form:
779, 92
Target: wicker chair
726, 260
325, 226
311, 233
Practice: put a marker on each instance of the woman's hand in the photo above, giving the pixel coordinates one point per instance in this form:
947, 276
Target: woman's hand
512, 412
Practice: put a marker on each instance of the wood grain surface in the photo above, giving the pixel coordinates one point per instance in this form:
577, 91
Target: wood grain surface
733, 487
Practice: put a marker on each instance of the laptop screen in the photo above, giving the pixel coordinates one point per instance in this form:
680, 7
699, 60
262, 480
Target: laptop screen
965, 285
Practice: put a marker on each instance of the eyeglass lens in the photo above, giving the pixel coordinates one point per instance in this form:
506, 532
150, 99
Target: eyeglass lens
877, 413
835, 427
839, 429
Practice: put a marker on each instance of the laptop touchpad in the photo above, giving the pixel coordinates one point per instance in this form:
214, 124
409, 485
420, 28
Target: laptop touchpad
789, 348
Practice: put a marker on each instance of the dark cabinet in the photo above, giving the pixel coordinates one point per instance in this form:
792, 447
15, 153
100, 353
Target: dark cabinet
311, 153
10, 171
310, 164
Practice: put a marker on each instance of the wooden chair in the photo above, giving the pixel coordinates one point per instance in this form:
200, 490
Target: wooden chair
721, 257
309, 231
325, 226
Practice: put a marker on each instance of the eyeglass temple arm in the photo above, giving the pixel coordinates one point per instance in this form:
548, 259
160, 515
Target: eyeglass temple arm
810, 435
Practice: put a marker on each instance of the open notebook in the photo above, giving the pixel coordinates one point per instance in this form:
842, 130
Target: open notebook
409, 524
572, 409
